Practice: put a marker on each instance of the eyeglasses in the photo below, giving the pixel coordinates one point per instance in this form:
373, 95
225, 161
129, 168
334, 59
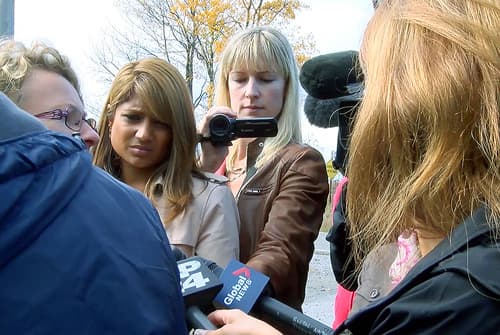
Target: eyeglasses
73, 118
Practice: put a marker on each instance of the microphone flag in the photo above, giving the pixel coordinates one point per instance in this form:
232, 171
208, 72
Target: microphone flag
198, 283
242, 287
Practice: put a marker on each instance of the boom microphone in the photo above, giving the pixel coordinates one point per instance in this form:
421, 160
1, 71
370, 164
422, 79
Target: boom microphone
245, 289
328, 76
327, 113
335, 90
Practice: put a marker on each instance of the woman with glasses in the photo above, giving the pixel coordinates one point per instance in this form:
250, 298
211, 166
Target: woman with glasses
148, 140
42, 82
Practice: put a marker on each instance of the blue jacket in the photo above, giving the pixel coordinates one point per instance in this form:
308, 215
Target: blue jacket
80, 252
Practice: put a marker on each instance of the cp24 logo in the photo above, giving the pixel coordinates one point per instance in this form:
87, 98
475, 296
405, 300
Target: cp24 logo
194, 275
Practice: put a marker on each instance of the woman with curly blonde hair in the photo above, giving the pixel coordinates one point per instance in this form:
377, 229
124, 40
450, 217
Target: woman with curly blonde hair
41, 81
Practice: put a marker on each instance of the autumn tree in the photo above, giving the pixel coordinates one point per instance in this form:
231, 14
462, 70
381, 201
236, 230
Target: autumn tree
191, 35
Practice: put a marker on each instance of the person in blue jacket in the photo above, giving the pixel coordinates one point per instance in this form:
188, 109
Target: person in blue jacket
80, 252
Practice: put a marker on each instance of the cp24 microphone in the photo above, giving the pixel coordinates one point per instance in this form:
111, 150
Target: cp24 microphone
199, 287
245, 289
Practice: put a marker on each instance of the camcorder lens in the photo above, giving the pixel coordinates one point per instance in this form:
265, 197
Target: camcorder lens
220, 125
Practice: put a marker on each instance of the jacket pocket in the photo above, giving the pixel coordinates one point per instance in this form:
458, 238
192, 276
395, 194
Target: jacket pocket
257, 190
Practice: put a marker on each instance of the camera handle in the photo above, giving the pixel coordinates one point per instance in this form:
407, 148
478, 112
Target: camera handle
202, 138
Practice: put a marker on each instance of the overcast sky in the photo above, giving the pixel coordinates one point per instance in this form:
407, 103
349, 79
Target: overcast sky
73, 26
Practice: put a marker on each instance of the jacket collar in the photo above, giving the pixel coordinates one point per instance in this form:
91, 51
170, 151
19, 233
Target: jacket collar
28, 153
472, 228
40, 173
254, 149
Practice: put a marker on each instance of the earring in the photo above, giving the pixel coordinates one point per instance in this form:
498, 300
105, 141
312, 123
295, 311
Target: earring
115, 165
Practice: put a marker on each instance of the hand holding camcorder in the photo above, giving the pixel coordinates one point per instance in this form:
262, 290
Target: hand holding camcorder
224, 129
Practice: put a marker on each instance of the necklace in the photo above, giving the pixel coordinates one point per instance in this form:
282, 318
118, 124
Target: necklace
236, 173
239, 170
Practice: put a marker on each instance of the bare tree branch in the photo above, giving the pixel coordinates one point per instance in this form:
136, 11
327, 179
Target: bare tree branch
188, 34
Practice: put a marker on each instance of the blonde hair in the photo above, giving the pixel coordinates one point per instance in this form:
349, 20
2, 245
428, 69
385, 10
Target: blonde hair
163, 92
425, 147
264, 49
17, 62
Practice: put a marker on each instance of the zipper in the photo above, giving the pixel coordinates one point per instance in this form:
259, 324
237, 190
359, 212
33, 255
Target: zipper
245, 185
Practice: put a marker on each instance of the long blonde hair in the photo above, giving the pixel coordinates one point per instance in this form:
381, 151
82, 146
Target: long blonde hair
163, 91
264, 49
425, 147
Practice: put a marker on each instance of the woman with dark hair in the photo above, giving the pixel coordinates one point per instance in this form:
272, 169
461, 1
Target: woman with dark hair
148, 140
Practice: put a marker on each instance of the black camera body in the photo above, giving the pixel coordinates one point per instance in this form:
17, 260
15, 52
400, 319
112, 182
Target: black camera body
224, 129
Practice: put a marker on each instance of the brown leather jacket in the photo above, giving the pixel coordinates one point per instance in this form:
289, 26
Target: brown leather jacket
281, 209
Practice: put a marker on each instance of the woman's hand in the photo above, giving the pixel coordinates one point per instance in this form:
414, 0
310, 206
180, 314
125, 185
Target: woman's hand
212, 156
235, 322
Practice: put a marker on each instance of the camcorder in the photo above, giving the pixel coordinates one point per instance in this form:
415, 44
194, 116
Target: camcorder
224, 129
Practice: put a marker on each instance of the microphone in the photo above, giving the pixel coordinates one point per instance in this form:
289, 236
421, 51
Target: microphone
177, 253
333, 86
245, 289
334, 92
328, 76
199, 287
329, 113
